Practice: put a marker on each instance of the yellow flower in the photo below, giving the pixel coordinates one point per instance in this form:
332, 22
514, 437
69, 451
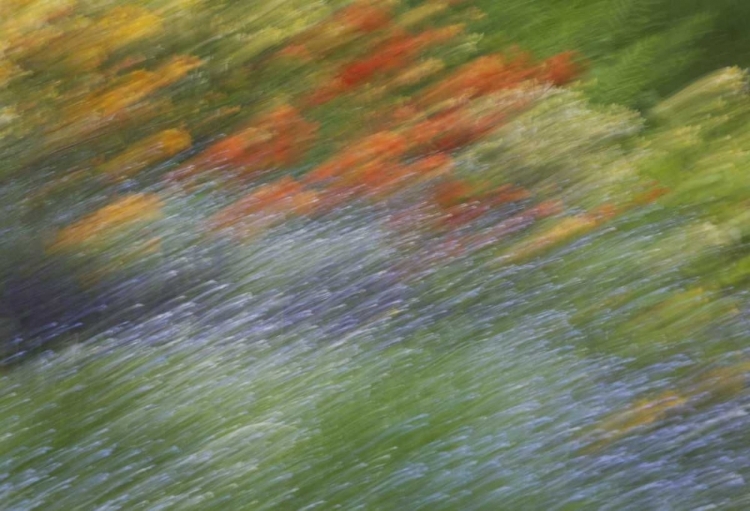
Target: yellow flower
127, 24
146, 152
140, 83
643, 413
421, 13
565, 229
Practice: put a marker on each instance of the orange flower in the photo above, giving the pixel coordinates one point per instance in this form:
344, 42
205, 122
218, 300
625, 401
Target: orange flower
342, 28
396, 52
147, 152
126, 212
404, 113
275, 139
651, 195
492, 73
380, 179
392, 56
296, 51
385, 145
424, 133
376, 176
363, 16
430, 165
452, 129
233, 147
272, 196
505, 194
280, 198
293, 135
471, 80
464, 202
559, 69
452, 193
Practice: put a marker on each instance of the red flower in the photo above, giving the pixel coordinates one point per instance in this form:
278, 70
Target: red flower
560, 69
397, 52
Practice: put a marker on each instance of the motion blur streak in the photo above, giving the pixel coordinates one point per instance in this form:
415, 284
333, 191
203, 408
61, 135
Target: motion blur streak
374, 254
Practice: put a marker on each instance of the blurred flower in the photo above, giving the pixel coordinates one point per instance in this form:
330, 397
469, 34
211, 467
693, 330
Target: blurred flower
124, 213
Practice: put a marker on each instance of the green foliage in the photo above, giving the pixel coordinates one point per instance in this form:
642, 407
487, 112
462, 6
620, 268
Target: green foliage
374, 355
640, 50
